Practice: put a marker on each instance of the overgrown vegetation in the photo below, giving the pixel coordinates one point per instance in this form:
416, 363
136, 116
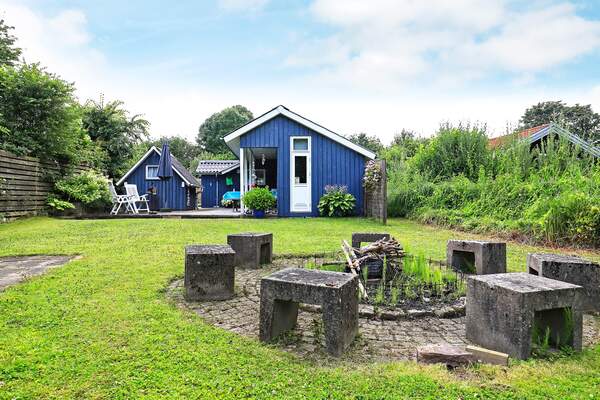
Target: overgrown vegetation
545, 341
550, 193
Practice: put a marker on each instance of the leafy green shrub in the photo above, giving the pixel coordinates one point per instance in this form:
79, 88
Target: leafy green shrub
568, 218
260, 199
454, 151
58, 204
89, 188
336, 202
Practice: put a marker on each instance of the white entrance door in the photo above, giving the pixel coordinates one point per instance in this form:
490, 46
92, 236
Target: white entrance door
300, 187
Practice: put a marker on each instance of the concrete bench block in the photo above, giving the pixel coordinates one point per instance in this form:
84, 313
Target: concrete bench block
575, 270
505, 310
477, 256
367, 237
335, 292
251, 249
209, 272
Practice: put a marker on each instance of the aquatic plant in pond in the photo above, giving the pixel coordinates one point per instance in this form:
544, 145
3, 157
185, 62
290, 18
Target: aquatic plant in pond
416, 280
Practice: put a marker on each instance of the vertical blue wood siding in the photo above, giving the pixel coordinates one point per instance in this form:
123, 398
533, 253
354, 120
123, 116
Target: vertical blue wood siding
331, 162
210, 196
170, 191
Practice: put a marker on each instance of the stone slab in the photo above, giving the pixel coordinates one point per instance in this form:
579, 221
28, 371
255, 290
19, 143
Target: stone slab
571, 269
451, 356
15, 269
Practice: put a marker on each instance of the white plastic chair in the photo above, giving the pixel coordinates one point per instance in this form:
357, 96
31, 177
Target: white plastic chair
118, 200
135, 198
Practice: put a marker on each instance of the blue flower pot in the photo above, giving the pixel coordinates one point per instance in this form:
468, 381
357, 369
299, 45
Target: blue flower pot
258, 213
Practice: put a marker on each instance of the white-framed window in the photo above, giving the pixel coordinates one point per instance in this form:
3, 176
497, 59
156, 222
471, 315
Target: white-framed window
300, 174
152, 172
300, 143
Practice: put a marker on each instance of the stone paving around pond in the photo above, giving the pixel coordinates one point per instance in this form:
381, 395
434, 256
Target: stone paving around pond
378, 340
16, 269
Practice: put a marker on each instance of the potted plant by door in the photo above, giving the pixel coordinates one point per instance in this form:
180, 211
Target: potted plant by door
259, 200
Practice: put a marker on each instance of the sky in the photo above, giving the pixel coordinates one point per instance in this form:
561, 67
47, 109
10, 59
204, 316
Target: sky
376, 66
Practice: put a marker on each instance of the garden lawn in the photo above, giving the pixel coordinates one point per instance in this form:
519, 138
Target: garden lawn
101, 326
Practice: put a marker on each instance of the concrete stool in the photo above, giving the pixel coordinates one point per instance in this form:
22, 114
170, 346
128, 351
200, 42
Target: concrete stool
575, 270
504, 312
336, 292
209, 272
251, 249
477, 257
368, 237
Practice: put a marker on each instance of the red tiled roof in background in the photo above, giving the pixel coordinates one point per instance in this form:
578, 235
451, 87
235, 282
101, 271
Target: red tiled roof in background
500, 140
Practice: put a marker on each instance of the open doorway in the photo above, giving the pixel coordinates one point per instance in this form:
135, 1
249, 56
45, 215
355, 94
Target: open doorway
264, 167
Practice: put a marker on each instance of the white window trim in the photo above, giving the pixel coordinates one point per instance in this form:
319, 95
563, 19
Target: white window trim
151, 179
307, 153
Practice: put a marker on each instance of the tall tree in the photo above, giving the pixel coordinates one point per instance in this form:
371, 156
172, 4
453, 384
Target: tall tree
367, 141
578, 119
183, 150
40, 115
110, 127
9, 53
213, 130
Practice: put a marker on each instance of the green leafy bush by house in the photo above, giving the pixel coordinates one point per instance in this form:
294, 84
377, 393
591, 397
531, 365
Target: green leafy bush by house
260, 199
88, 188
336, 202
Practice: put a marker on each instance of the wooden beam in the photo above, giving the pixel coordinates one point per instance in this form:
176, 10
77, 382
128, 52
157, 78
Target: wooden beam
488, 356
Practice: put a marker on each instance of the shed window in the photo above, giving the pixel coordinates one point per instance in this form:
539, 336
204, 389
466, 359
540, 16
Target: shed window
301, 144
151, 171
300, 169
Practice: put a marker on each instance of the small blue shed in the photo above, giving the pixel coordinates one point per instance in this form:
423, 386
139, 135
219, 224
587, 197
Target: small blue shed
176, 193
217, 177
298, 158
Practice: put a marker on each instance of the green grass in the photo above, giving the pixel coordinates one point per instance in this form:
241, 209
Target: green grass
101, 327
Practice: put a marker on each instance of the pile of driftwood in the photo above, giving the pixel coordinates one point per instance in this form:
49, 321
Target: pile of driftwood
357, 257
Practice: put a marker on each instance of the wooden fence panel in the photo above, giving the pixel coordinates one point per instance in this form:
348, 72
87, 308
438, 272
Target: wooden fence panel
23, 185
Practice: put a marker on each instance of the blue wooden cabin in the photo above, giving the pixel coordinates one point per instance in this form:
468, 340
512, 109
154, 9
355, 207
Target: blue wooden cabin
176, 193
297, 157
217, 177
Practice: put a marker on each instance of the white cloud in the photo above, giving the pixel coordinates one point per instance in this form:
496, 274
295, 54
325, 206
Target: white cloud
59, 42
242, 5
388, 43
536, 40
